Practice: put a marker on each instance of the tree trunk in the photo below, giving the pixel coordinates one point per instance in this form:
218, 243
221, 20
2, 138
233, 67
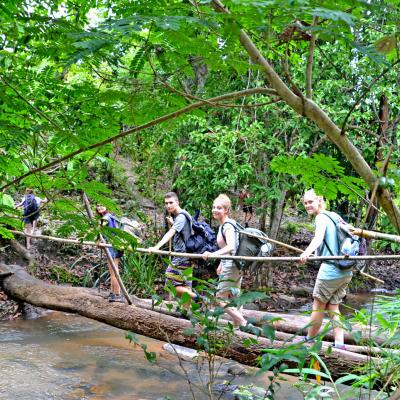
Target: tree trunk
263, 276
90, 304
307, 108
277, 217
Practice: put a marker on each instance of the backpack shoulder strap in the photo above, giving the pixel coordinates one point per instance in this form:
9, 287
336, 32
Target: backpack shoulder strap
116, 219
236, 226
188, 219
334, 222
328, 214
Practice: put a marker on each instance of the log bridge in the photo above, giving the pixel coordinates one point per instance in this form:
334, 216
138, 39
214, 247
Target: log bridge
162, 324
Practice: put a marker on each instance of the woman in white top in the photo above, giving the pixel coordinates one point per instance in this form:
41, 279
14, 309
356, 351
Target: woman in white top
227, 240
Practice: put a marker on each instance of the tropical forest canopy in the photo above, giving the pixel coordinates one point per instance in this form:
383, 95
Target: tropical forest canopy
279, 95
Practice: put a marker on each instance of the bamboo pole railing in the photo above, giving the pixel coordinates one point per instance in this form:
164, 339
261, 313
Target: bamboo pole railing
365, 274
216, 257
375, 235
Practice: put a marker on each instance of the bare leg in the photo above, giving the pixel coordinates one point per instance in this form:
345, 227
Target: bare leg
334, 315
184, 289
233, 312
236, 315
317, 317
115, 288
28, 230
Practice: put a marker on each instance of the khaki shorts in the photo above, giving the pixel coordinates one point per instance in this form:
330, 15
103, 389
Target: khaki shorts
229, 281
331, 291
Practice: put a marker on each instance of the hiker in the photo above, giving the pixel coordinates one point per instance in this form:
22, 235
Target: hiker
31, 204
230, 279
108, 220
179, 232
247, 209
331, 283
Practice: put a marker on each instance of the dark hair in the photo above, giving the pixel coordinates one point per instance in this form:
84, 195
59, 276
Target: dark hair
171, 195
100, 205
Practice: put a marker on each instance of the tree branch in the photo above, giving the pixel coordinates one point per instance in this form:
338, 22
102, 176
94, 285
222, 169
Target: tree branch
31, 105
222, 105
360, 128
363, 94
149, 124
310, 61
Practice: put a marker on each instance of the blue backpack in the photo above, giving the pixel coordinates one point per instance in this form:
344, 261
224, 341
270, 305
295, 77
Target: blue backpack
349, 244
30, 205
203, 237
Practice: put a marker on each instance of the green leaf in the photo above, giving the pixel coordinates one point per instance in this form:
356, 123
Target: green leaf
131, 336
347, 378
269, 332
5, 233
333, 15
308, 371
6, 200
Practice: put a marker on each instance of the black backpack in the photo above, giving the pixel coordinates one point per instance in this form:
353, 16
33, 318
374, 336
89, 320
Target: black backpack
252, 243
30, 205
348, 244
202, 238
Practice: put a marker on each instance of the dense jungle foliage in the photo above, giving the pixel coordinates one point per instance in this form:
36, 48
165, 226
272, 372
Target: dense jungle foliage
276, 95
203, 97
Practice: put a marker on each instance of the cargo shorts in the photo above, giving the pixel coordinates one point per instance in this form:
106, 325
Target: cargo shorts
331, 291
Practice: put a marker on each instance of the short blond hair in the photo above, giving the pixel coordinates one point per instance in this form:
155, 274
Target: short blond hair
311, 192
225, 201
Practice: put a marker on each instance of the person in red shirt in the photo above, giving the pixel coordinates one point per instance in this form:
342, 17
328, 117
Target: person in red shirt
246, 208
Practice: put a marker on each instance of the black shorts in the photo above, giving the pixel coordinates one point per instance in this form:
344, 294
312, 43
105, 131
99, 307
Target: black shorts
248, 209
116, 253
30, 218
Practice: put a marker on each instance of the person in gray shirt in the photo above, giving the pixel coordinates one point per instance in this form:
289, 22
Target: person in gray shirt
179, 232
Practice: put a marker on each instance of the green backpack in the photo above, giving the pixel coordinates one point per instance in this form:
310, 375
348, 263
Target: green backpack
252, 243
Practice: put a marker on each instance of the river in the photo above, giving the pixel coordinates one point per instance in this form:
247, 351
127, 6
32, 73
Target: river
67, 357
61, 356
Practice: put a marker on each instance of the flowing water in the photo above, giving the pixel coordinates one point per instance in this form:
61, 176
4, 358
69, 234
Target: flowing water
62, 356
67, 357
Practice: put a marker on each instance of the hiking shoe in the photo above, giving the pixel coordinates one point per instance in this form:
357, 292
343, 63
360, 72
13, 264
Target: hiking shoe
116, 298
300, 339
303, 340
250, 328
184, 314
203, 301
110, 297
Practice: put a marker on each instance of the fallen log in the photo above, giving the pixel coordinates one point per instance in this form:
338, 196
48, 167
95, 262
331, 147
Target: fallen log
89, 303
298, 324
22, 251
287, 327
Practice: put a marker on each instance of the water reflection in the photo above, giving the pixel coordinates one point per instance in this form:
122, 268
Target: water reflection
61, 356
64, 356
